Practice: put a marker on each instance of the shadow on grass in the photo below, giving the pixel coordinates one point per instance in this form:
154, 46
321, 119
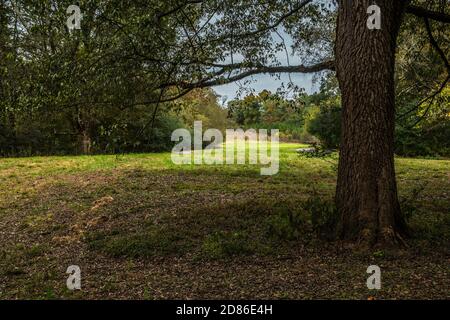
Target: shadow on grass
246, 228
255, 227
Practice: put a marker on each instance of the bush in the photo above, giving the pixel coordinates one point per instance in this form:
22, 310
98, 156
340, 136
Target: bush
137, 135
225, 244
324, 217
422, 141
314, 214
326, 125
287, 224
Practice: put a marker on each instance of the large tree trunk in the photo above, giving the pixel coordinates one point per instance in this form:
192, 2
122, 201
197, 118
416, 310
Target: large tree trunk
366, 194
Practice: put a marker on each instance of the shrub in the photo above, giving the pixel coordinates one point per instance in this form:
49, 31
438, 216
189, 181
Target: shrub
225, 244
326, 125
422, 141
324, 216
287, 224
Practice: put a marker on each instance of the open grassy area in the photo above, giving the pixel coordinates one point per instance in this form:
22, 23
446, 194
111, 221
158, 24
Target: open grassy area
142, 227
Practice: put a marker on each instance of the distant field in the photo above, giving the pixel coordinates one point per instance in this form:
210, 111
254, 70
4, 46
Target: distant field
142, 227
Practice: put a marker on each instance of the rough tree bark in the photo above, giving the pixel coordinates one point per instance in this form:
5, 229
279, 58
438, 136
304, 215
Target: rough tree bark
366, 194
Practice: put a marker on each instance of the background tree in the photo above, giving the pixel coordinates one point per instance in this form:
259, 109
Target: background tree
271, 111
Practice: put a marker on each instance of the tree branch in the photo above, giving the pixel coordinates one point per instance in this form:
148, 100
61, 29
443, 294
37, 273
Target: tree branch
188, 87
425, 13
265, 29
177, 8
431, 97
328, 65
210, 82
436, 45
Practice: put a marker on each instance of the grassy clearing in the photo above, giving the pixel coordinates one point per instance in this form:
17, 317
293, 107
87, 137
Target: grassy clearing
142, 227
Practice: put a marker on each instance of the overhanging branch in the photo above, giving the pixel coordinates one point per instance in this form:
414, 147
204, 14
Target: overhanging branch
210, 81
425, 13
186, 87
431, 97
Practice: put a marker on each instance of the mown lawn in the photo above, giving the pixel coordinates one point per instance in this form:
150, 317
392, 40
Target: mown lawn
142, 227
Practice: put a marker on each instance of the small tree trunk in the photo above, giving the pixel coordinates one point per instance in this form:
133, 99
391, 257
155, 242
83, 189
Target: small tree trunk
86, 142
366, 194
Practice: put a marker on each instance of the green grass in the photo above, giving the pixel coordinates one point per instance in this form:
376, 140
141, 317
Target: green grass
148, 221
